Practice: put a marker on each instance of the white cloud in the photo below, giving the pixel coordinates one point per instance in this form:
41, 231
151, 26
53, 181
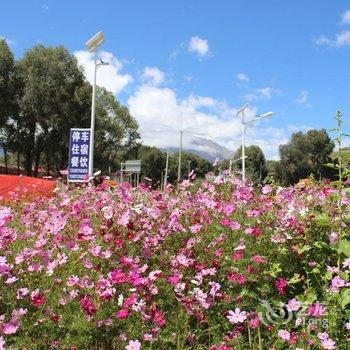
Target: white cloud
45, 7
161, 114
199, 46
242, 77
340, 40
264, 93
153, 76
303, 99
345, 18
109, 76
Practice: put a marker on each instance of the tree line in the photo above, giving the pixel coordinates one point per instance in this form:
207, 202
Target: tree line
42, 96
304, 155
45, 94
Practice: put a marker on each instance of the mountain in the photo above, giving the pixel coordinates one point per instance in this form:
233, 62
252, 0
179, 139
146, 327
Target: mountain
205, 148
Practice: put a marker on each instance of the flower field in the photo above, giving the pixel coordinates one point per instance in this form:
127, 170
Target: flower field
218, 265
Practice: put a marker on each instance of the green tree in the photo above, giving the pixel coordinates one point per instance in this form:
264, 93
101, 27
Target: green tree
54, 98
116, 134
152, 163
8, 97
304, 155
255, 163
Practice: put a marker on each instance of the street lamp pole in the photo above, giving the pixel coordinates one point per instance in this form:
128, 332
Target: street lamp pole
244, 128
92, 46
93, 113
166, 170
179, 168
243, 146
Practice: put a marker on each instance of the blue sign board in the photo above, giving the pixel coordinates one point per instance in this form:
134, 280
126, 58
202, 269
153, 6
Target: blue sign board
79, 153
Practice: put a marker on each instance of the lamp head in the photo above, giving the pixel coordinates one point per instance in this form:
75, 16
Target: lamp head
95, 42
266, 115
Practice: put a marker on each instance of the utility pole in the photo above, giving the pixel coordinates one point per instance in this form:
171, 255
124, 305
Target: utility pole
166, 170
179, 168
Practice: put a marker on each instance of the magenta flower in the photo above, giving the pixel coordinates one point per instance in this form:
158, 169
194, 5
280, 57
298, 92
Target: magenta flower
121, 314
37, 299
281, 284
316, 310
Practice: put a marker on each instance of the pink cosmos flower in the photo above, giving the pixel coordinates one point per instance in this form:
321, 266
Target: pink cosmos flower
254, 323
87, 306
281, 284
22, 292
346, 263
37, 299
328, 344
121, 314
337, 282
238, 255
333, 238
258, 259
293, 305
228, 209
266, 189
316, 310
236, 316
133, 345
195, 228
72, 281
283, 334
347, 326
11, 327
2, 343
107, 212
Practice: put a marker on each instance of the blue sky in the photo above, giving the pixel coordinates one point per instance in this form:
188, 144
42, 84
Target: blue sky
191, 64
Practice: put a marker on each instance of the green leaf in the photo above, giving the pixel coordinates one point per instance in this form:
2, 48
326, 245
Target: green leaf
322, 219
330, 165
295, 279
344, 275
275, 269
344, 247
345, 298
303, 249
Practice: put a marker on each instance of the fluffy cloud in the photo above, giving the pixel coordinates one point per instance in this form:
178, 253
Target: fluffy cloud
162, 114
242, 77
264, 93
153, 76
340, 40
303, 99
109, 76
199, 46
345, 18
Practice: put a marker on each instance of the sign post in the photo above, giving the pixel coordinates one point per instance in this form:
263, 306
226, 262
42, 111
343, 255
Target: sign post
79, 154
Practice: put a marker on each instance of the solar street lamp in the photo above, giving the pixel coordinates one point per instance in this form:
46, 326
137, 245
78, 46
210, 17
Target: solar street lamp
92, 46
244, 124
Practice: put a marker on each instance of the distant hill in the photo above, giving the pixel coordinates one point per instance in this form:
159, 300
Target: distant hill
205, 148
